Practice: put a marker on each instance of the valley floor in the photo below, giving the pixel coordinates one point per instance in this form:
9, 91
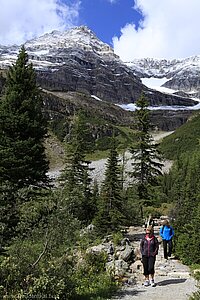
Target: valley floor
99, 166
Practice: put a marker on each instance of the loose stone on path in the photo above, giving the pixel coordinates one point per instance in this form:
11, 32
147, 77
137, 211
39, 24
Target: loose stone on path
173, 279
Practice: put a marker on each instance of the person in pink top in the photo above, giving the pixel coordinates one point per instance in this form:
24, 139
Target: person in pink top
149, 249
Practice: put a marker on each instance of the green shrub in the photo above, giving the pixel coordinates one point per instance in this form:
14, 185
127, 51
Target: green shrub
57, 278
196, 295
19, 277
92, 282
104, 143
59, 127
117, 238
187, 246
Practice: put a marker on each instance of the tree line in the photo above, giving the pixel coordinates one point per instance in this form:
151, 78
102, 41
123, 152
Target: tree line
41, 223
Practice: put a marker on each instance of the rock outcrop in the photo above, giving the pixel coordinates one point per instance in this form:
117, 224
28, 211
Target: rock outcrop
182, 75
75, 69
169, 120
59, 105
76, 60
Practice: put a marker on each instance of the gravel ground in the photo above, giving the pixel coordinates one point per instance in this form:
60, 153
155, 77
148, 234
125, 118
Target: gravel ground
100, 165
173, 279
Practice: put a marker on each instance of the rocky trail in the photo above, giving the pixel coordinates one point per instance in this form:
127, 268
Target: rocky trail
173, 279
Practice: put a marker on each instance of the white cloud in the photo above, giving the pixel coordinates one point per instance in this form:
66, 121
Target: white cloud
170, 30
22, 20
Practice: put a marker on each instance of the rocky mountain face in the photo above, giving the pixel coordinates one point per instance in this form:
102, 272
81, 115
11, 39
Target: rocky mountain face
75, 69
76, 60
182, 76
61, 105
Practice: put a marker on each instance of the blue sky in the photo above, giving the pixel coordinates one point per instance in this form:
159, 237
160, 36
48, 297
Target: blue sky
134, 28
106, 18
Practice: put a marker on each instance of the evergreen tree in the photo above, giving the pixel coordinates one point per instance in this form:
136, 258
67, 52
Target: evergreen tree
146, 157
185, 188
110, 216
75, 176
184, 191
22, 127
9, 214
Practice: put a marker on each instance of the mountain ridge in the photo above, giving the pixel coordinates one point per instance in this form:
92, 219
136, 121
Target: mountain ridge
76, 60
182, 75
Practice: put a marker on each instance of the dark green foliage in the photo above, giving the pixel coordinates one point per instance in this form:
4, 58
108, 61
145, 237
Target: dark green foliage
131, 207
59, 127
187, 242
92, 280
8, 213
47, 260
36, 262
110, 216
23, 163
75, 177
184, 191
146, 165
34, 207
22, 127
184, 139
21, 210
184, 186
103, 143
25, 273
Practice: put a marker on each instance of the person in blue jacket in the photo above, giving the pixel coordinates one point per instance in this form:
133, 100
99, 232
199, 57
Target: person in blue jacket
167, 233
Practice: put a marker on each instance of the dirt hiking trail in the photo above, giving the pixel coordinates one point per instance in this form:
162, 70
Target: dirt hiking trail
173, 279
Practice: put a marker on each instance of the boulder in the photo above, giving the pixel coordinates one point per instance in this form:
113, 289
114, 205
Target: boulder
136, 267
127, 254
117, 267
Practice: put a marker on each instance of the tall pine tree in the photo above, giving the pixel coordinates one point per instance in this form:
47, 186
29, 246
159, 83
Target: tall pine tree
22, 127
75, 177
146, 157
184, 193
110, 206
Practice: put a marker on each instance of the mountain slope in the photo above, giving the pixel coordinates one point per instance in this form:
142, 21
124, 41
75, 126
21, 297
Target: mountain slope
76, 60
181, 75
184, 139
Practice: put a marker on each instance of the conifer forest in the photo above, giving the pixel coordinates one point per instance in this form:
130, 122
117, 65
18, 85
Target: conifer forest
44, 233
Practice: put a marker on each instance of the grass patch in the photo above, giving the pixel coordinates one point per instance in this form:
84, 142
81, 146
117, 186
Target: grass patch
185, 139
54, 151
97, 155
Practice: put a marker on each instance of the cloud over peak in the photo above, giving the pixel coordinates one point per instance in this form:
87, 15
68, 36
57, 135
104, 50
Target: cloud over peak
169, 29
24, 20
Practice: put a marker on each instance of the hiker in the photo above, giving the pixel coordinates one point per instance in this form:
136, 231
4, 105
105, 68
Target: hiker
149, 249
167, 233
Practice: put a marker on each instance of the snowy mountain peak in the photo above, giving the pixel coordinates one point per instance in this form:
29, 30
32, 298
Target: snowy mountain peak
81, 50
150, 67
180, 75
49, 50
78, 37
